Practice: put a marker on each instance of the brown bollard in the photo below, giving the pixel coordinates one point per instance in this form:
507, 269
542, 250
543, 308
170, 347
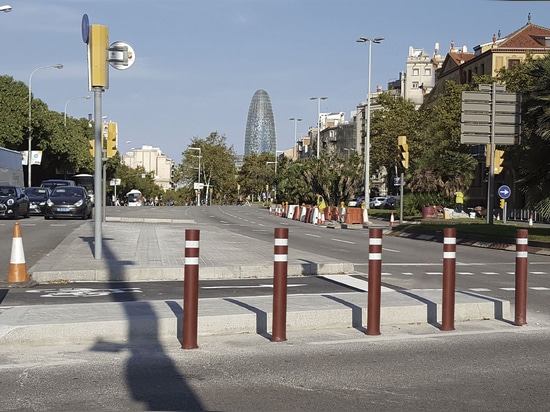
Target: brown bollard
375, 281
191, 290
280, 273
521, 277
449, 279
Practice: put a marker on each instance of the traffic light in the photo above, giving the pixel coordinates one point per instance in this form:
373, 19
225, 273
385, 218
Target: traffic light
98, 43
499, 159
502, 202
112, 135
488, 156
403, 151
92, 147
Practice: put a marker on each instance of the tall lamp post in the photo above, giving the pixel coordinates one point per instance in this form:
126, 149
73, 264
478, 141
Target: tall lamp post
376, 40
294, 155
29, 156
68, 101
198, 190
318, 118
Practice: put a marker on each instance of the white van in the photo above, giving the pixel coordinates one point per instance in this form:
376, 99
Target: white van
134, 198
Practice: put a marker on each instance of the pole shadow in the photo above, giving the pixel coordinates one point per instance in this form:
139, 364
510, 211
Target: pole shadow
261, 317
151, 375
431, 307
497, 304
356, 312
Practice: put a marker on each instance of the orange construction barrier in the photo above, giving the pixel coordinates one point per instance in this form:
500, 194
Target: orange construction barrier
296, 215
18, 267
354, 215
308, 213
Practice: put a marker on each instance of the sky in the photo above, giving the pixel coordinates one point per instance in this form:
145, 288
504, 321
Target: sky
199, 62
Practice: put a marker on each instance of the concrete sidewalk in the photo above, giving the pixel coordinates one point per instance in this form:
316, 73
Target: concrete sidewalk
88, 323
137, 250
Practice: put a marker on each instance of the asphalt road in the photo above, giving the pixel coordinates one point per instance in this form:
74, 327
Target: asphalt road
343, 370
406, 263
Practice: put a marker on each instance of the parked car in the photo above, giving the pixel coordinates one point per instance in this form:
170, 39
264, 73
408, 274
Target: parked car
376, 202
68, 201
390, 202
37, 198
356, 202
13, 202
52, 183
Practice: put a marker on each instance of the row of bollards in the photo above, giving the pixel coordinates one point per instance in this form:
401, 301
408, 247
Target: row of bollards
280, 276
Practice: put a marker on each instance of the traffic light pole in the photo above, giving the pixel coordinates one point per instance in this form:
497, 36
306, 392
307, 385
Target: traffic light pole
98, 160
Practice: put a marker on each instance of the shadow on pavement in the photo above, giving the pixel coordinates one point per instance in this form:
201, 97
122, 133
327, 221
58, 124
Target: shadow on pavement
151, 375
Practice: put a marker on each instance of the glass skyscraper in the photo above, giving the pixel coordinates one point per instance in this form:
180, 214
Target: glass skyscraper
260, 133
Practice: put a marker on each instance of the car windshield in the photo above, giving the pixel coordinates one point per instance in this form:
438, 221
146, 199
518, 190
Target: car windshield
7, 191
67, 192
36, 191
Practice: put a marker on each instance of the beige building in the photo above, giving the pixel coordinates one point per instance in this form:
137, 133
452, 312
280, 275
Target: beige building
487, 58
153, 161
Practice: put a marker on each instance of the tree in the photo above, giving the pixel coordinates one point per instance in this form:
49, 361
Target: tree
217, 167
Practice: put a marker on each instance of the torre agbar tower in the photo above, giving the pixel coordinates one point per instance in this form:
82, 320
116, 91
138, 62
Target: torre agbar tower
260, 133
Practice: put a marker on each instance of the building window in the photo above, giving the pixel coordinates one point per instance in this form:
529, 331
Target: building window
427, 72
415, 85
513, 63
416, 72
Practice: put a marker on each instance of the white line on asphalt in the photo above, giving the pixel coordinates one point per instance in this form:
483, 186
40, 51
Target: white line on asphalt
391, 250
539, 288
489, 273
465, 273
309, 234
508, 289
479, 289
537, 273
249, 287
343, 241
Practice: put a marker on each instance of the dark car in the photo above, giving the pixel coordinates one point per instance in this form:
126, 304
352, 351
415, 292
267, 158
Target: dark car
37, 198
13, 202
53, 183
390, 202
68, 201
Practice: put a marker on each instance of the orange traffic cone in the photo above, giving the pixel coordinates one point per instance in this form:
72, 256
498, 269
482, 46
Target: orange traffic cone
18, 267
392, 220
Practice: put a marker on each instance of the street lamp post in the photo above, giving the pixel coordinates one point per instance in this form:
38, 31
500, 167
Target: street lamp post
318, 118
29, 156
68, 101
376, 40
294, 155
198, 190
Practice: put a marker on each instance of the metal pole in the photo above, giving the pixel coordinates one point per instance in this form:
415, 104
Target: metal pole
521, 277
367, 142
374, 281
449, 281
401, 184
98, 160
191, 290
280, 273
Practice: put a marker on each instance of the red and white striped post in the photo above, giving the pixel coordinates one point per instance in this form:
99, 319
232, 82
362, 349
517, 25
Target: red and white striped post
375, 281
280, 275
191, 290
449, 279
521, 277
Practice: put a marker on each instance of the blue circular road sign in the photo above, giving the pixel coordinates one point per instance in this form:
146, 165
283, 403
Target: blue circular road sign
504, 192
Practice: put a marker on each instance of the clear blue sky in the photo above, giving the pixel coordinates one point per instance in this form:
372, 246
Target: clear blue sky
199, 62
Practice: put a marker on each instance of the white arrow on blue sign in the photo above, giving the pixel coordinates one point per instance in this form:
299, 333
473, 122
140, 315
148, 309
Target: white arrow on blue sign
504, 192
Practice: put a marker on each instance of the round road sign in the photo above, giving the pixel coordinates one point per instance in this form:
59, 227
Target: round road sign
504, 192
